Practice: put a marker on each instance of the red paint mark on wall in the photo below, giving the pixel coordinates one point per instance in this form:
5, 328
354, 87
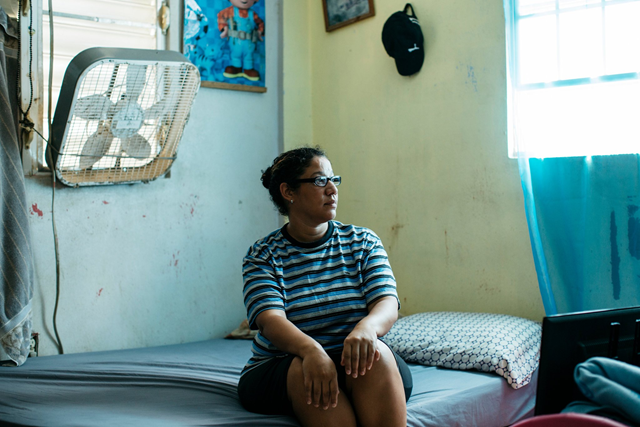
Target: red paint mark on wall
191, 205
100, 291
104, 202
175, 260
34, 209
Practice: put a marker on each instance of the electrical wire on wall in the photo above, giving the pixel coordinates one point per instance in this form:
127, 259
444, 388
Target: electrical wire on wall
53, 184
27, 126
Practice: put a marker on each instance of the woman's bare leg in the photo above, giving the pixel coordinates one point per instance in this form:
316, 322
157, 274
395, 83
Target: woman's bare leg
310, 416
378, 397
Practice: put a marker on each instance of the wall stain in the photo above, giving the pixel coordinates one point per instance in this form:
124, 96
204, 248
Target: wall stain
446, 246
174, 261
395, 231
104, 202
633, 230
471, 77
100, 292
484, 287
191, 204
34, 209
615, 257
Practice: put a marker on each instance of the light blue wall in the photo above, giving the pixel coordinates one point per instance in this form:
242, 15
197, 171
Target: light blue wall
160, 263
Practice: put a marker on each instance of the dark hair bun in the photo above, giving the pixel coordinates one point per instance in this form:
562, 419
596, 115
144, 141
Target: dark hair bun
266, 178
287, 168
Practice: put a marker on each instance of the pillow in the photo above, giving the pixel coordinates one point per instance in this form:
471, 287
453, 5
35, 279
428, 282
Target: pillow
506, 345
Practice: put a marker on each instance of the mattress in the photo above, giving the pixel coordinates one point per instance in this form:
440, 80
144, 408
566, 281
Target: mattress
194, 384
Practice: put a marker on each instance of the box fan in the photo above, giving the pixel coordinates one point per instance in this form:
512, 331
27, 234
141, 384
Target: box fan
120, 115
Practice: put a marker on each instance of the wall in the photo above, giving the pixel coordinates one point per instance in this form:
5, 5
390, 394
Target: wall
160, 263
297, 102
424, 158
10, 7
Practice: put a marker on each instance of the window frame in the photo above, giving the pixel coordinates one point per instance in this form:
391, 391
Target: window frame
512, 40
31, 152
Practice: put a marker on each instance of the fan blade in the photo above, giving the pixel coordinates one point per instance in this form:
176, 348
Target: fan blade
135, 79
170, 92
92, 107
156, 111
95, 147
136, 146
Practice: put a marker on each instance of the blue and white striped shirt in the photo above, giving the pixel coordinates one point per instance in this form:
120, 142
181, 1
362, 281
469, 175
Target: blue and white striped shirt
324, 287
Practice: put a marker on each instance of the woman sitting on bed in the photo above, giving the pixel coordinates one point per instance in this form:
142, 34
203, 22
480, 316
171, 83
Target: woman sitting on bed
320, 293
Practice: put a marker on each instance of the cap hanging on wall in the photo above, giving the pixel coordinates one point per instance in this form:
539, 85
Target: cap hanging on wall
403, 40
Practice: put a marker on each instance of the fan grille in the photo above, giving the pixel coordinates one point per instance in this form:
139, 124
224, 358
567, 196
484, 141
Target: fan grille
126, 121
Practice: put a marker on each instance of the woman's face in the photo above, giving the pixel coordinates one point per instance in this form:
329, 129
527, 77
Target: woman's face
312, 204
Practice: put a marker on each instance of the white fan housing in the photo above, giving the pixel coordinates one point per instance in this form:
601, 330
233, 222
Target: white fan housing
120, 115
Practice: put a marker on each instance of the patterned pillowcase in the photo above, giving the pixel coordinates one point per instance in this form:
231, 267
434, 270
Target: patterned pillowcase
506, 345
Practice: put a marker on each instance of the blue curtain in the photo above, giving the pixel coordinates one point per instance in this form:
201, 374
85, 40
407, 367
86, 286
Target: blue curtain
583, 214
584, 223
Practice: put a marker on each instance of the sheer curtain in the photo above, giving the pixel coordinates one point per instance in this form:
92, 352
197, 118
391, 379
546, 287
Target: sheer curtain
575, 129
16, 263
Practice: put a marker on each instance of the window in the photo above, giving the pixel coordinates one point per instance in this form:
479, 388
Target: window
78, 25
574, 77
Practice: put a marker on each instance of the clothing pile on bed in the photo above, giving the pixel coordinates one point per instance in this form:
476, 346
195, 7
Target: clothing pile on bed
612, 387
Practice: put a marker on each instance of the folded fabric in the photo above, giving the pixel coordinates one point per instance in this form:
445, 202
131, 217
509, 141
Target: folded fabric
242, 332
611, 384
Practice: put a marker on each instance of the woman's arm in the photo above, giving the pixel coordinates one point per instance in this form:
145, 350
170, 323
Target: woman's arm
320, 376
360, 346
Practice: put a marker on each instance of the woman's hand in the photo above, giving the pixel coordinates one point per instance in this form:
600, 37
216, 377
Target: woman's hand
360, 349
318, 370
320, 379
361, 345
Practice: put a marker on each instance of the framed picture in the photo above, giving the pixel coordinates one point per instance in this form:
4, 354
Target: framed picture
225, 39
338, 13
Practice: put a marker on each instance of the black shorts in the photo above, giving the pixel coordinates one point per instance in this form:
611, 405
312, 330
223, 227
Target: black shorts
264, 388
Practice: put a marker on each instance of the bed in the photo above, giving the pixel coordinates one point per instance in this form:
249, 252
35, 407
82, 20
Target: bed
194, 384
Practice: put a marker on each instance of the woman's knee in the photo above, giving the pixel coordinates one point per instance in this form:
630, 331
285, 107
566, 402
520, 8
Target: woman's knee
387, 359
384, 370
378, 396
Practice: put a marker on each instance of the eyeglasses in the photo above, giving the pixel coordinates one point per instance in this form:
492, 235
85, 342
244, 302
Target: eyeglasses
321, 181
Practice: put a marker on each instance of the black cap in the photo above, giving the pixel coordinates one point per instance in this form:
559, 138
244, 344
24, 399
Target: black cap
403, 41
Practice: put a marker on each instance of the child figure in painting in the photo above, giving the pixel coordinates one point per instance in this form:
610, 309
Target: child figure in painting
244, 28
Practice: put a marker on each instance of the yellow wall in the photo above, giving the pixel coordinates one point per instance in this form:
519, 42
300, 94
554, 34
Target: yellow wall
424, 158
298, 128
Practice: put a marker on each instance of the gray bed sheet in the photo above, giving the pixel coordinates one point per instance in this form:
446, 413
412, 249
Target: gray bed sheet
195, 385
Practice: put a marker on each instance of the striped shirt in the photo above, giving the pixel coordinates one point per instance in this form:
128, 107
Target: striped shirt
324, 287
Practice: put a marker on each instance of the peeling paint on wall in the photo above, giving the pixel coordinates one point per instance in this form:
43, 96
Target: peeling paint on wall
34, 209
